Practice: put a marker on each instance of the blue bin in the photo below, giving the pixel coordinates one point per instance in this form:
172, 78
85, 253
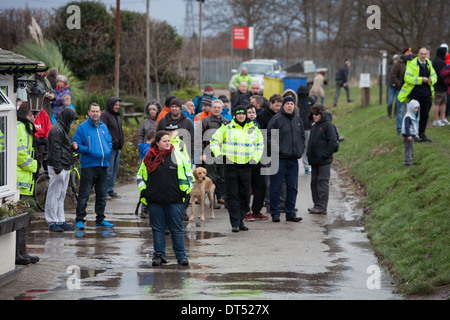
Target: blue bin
294, 83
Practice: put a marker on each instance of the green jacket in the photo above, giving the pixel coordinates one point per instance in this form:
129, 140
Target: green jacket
26, 164
184, 169
412, 79
238, 144
239, 78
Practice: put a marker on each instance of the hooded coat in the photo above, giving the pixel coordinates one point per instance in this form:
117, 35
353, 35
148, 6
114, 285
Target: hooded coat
323, 142
26, 154
114, 123
148, 123
438, 65
60, 153
410, 122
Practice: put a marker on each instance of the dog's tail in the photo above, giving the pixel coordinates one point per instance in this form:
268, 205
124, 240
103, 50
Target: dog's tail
137, 207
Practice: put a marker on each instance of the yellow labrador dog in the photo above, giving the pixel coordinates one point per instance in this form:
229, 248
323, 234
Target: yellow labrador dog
203, 185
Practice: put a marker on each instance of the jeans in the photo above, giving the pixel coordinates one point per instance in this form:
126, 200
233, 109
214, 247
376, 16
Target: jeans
288, 171
320, 185
113, 169
401, 108
237, 181
170, 215
95, 176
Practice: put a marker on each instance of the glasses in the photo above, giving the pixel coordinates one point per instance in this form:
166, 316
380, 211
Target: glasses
316, 114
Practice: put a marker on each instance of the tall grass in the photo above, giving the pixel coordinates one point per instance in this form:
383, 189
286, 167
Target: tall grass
409, 220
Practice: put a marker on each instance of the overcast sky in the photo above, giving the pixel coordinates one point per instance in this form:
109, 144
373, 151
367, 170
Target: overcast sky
172, 11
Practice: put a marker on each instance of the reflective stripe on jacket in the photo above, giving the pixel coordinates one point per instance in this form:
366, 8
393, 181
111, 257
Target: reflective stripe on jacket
412, 79
238, 144
184, 170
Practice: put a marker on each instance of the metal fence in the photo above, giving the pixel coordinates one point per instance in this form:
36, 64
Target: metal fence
219, 70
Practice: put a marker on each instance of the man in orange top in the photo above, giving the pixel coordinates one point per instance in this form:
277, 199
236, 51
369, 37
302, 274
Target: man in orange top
206, 111
165, 110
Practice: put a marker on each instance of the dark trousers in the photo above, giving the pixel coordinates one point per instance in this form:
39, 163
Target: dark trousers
237, 180
90, 177
424, 110
258, 184
217, 174
288, 172
320, 185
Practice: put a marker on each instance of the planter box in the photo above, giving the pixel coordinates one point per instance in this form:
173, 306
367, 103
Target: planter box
14, 223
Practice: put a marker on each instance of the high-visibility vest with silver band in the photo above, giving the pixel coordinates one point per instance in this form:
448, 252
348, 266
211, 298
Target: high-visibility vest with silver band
238, 144
26, 164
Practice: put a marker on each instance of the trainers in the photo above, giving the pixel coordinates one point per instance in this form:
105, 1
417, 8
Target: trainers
80, 225
260, 216
66, 227
275, 219
105, 223
55, 228
445, 121
249, 217
438, 123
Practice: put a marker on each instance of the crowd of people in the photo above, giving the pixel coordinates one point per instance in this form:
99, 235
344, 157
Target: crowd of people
223, 135
418, 85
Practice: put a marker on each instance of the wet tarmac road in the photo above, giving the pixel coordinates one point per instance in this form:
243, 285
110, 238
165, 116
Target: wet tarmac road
321, 257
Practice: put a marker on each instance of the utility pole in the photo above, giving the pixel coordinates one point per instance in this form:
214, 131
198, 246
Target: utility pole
201, 46
147, 41
117, 55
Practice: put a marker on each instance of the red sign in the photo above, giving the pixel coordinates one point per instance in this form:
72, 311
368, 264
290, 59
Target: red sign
242, 37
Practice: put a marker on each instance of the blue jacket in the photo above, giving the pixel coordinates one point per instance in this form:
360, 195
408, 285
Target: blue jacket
94, 143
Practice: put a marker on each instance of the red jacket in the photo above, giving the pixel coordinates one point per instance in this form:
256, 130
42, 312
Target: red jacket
42, 124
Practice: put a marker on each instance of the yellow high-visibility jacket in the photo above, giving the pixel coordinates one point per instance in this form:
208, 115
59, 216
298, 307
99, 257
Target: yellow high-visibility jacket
238, 144
26, 164
413, 79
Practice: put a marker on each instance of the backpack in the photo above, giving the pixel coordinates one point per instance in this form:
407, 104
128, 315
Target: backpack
337, 138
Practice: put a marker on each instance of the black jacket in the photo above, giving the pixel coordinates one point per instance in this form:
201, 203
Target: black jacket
304, 102
264, 117
114, 123
60, 154
162, 184
342, 74
291, 137
322, 143
438, 65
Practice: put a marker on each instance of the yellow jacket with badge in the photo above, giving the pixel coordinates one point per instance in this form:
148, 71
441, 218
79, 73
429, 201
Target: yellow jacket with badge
413, 79
26, 164
239, 144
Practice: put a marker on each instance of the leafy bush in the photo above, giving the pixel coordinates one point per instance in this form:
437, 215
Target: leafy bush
187, 93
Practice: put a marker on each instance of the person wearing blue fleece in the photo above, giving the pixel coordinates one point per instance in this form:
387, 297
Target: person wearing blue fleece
93, 142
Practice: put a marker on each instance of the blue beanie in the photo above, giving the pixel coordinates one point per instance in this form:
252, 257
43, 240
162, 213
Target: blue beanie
288, 98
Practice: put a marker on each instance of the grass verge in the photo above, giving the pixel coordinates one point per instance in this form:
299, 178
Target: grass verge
408, 218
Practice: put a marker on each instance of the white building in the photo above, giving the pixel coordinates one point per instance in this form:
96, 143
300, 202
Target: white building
12, 67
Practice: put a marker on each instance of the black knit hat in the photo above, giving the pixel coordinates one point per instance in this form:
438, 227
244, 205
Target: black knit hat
175, 101
286, 99
240, 109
